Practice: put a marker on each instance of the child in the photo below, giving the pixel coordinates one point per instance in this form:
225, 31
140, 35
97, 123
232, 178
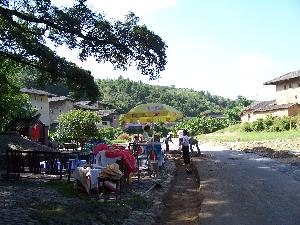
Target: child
186, 151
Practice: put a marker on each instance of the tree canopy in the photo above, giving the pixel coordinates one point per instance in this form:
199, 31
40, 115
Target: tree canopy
77, 125
13, 105
27, 25
126, 94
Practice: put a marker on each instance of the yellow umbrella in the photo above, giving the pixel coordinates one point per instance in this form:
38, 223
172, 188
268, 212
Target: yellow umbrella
152, 113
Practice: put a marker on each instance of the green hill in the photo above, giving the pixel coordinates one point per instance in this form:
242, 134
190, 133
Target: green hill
125, 94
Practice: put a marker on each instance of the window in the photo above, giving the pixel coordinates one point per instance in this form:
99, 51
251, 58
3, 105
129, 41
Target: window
41, 99
290, 85
114, 117
298, 84
104, 123
41, 107
284, 87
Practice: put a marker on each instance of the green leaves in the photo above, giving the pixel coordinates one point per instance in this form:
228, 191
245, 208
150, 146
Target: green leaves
13, 104
26, 25
77, 125
201, 125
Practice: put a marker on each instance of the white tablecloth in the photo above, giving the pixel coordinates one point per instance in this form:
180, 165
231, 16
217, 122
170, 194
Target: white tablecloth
87, 176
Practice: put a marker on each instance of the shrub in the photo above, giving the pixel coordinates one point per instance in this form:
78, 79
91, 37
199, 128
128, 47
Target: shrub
281, 124
268, 122
106, 133
247, 127
258, 125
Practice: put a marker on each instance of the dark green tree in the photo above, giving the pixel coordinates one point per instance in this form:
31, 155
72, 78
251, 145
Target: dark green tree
13, 105
77, 125
26, 25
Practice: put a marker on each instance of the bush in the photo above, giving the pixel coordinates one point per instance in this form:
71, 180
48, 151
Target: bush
268, 122
281, 124
106, 133
247, 127
258, 125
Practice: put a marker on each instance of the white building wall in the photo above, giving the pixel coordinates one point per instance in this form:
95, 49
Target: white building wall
288, 92
42, 105
58, 107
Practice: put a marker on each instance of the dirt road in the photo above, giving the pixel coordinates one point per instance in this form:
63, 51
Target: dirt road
182, 203
246, 189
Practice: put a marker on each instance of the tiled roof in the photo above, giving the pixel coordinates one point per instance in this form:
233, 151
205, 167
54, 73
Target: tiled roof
287, 76
16, 142
60, 98
261, 106
107, 112
36, 92
85, 105
93, 106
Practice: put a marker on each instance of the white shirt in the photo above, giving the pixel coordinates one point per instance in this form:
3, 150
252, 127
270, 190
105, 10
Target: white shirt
146, 137
180, 134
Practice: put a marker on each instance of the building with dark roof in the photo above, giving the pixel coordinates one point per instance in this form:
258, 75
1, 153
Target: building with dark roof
286, 103
109, 115
39, 101
38, 131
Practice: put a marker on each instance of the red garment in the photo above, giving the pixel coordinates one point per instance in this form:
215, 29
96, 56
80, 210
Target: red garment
118, 151
99, 148
35, 132
153, 155
127, 156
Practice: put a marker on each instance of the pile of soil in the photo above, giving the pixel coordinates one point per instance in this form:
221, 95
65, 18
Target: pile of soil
182, 203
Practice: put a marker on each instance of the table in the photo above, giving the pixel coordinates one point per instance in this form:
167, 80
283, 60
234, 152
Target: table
116, 181
87, 176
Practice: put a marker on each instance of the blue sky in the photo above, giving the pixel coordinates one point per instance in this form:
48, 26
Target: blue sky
226, 47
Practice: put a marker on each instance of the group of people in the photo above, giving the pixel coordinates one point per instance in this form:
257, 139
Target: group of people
186, 143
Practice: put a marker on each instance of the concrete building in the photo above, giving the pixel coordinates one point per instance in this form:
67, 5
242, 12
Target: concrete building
58, 105
39, 100
287, 101
37, 129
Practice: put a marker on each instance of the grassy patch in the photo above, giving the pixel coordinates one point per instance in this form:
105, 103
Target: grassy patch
87, 210
64, 188
250, 136
91, 212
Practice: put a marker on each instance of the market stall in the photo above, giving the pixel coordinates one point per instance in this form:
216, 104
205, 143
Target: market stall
104, 156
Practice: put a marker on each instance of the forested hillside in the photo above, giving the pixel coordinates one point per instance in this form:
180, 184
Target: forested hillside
125, 94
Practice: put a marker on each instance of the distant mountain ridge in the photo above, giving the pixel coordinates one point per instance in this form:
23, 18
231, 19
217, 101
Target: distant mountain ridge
125, 94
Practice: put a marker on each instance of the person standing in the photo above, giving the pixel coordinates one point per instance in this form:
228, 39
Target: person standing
146, 137
180, 136
194, 142
167, 140
186, 151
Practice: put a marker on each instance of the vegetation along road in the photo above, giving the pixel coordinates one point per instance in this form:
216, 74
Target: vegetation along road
244, 188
